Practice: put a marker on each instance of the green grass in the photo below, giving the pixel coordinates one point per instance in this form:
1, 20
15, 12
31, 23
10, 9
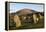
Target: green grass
40, 24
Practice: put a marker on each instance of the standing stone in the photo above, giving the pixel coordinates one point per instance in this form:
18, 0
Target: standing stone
17, 21
34, 18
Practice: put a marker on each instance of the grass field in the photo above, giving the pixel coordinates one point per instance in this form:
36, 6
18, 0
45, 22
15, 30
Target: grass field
40, 24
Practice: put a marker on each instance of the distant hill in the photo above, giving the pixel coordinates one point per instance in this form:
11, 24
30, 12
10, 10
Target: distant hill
24, 12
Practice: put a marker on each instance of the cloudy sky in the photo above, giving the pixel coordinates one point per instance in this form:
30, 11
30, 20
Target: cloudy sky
18, 6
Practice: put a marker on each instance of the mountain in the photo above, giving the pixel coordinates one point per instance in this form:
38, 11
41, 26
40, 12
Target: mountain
25, 11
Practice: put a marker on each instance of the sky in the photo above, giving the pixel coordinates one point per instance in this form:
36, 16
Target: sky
14, 7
